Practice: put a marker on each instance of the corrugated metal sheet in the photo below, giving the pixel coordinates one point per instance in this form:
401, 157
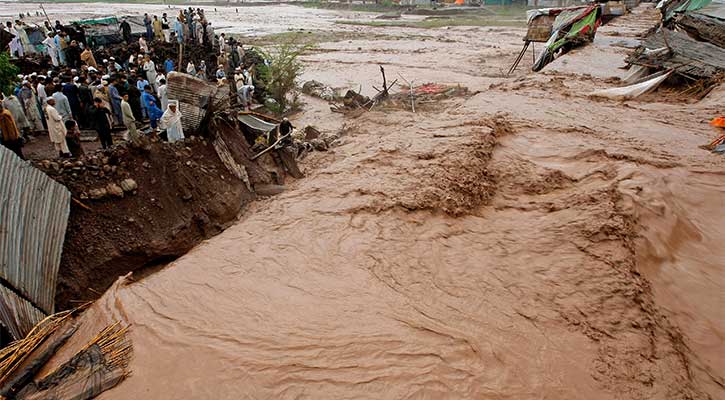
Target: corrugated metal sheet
17, 314
33, 218
194, 94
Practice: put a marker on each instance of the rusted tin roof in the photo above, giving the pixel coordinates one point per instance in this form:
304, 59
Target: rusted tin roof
33, 218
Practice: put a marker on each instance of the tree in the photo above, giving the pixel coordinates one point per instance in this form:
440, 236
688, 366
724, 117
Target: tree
281, 72
8, 74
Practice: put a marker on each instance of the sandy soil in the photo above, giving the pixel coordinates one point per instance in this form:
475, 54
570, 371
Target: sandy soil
524, 242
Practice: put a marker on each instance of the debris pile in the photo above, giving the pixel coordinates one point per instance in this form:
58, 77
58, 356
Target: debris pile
689, 42
318, 89
562, 29
101, 364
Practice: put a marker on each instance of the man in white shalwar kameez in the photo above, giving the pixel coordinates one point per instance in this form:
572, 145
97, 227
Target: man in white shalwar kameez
171, 122
56, 128
51, 48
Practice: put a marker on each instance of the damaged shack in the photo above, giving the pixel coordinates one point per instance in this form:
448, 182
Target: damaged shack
688, 43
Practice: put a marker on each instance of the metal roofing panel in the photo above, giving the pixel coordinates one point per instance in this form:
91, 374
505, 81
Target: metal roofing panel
33, 218
194, 95
17, 314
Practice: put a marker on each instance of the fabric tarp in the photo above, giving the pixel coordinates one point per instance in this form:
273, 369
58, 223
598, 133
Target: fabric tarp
636, 90
255, 123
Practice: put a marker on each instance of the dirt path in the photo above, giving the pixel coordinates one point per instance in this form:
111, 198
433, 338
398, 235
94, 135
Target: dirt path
525, 242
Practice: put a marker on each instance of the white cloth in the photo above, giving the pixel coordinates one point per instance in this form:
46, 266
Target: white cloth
163, 96
42, 96
24, 39
142, 44
56, 128
171, 121
150, 68
16, 47
52, 49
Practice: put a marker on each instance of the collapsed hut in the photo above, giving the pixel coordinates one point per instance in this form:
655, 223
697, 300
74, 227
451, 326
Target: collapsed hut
688, 45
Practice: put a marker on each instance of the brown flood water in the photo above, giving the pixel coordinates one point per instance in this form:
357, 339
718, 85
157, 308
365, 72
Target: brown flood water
525, 242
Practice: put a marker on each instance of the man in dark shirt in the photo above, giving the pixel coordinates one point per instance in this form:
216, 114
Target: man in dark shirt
73, 54
101, 118
71, 91
86, 98
126, 31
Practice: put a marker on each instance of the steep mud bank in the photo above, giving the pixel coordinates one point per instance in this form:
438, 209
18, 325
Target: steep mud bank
139, 207
184, 195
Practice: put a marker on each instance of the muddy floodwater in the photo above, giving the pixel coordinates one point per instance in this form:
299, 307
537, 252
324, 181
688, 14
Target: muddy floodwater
523, 241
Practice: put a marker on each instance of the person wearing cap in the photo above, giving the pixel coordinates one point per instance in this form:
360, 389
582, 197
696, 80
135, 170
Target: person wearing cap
42, 94
220, 74
101, 121
129, 120
115, 98
10, 133
171, 122
238, 77
143, 45
201, 72
30, 104
165, 28
246, 93
51, 48
56, 128
198, 30
149, 68
115, 64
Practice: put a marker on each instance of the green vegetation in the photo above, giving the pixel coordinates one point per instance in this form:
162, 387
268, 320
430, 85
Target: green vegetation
313, 38
280, 76
8, 73
383, 6
441, 22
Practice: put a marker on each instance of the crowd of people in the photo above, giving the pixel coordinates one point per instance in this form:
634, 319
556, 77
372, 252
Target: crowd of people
81, 92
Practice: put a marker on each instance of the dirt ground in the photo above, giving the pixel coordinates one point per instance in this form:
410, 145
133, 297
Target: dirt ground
525, 241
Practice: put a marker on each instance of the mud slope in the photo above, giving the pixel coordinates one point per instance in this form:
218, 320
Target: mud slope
183, 194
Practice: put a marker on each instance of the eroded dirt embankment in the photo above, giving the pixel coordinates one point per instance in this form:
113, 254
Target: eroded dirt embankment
140, 207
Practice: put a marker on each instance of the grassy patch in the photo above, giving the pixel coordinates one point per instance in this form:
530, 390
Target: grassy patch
440, 22
384, 6
310, 38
